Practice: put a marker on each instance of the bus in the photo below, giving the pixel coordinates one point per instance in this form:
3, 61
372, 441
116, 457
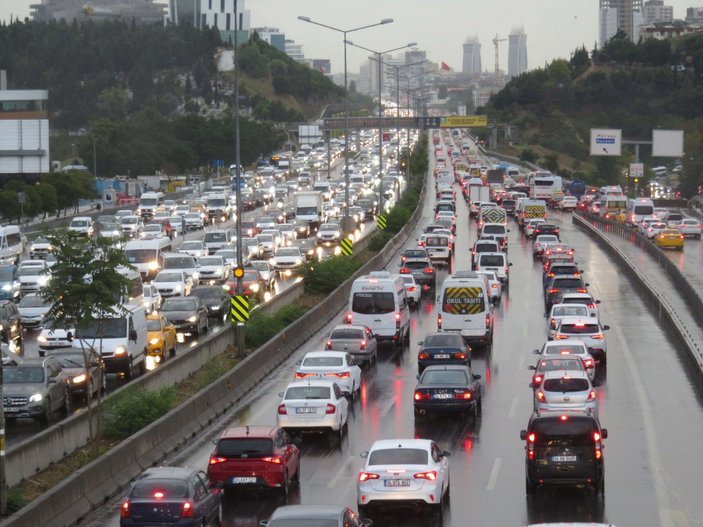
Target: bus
543, 185
638, 210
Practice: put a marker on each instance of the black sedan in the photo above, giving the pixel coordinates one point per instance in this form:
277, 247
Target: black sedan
547, 228
187, 313
215, 298
448, 389
443, 348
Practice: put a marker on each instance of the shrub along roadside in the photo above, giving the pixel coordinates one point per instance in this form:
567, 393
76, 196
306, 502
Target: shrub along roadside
262, 327
325, 276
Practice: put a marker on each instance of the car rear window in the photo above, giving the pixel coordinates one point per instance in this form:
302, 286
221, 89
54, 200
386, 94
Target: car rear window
244, 446
567, 283
308, 392
565, 385
347, 334
437, 241
491, 260
579, 329
564, 349
446, 377
323, 361
307, 521
486, 248
563, 364
169, 488
398, 456
494, 229
572, 431
575, 310
373, 303
442, 340
417, 264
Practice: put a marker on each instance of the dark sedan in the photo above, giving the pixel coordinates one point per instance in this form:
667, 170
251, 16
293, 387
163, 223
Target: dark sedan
447, 389
422, 270
443, 348
215, 299
73, 364
559, 285
187, 313
547, 228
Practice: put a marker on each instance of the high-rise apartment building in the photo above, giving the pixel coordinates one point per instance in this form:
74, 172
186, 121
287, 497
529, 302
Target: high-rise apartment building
624, 15
656, 11
517, 52
472, 57
220, 14
694, 15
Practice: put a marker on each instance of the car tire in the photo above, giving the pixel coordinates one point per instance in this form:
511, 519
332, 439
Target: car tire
103, 383
285, 488
363, 510
128, 372
46, 416
529, 489
218, 517
68, 402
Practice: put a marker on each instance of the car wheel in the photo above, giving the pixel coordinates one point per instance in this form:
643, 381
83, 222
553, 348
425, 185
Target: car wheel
285, 488
46, 416
128, 371
363, 510
218, 517
103, 383
67, 401
296, 478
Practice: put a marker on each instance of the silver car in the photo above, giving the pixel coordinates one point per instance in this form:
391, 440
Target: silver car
589, 330
562, 390
570, 347
328, 515
355, 339
32, 309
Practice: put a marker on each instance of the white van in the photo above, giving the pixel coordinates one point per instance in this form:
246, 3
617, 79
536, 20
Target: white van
496, 262
149, 203
445, 178
147, 255
464, 306
379, 302
11, 244
120, 339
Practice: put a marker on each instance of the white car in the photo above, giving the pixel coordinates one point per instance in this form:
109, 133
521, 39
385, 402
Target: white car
313, 405
690, 227
288, 231
560, 311
337, 366
193, 221
654, 228
173, 283
81, 226
582, 298
287, 259
403, 471
229, 255
32, 310
587, 329
568, 203
195, 248
278, 237
267, 243
267, 272
152, 298
494, 283
329, 233
213, 269
412, 289
541, 242
562, 390
152, 231
531, 225
569, 347
33, 275
51, 339
181, 210
40, 248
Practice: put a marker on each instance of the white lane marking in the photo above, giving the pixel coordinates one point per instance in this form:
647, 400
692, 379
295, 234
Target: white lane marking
521, 362
513, 408
340, 472
658, 472
390, 404
494, 474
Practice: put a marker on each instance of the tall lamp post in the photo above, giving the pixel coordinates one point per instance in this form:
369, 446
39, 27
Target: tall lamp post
346, 221
238, 175
380, 54
408, 91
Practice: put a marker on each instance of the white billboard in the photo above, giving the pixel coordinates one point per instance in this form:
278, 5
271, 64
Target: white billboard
309, 134
667, 143
606, 142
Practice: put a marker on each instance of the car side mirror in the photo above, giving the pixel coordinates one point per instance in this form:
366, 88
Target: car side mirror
420, 343
523, 434
280, 394
597, 301
508, 230
606, 328
264, 523
298, 362
510, 264
593, 314
533, 368
133, 336
446, 453
604, 433
536, 352
477, 377
587, 284
69, 336
581, 271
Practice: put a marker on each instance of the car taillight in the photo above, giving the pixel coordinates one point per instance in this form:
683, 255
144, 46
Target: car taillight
488, 321
214, 460
599, 448
124, 510
464, 396
598, 336
363, 476
412, 289
494, 286
439, 322
282, 409
561, 337
340, 375
328, 345
423, 356
330, 409
348, 318
301, 375
276, 460
363, 344
460, 355
588, 363
428, 270
592, 395
552, 291
531, 446
404, 270
421, 396
582, 290
540, 396
187, 510
397, 321
429, 476
553, 323
537, 380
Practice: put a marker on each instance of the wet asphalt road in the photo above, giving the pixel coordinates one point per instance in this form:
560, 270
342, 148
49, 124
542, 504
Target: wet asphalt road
646, 400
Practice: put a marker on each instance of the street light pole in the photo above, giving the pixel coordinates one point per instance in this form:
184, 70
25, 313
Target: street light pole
237, 171
379, 55
347, 224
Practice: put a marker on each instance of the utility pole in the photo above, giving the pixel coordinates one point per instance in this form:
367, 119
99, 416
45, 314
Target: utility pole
238, 159
3, 476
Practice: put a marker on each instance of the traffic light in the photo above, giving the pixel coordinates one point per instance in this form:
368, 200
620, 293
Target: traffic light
637, 180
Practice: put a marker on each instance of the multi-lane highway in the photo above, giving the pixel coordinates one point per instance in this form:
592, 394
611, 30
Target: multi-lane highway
646, 401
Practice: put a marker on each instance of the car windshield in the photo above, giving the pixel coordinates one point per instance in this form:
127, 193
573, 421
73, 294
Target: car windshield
329, 227
79, 223
557, 432
250, 276
579, 329
178, 305
155, 227
492, 260
23, 374
163, 489
288, 252
575, 310
560, 364
307, 392
345, 333
140, 255
33, 301
185, 262
398, 456
31, 270
207, 292
373, 303
210, 261
244, 447
565, 385
444, 377
442, 340
153, 324
169, 277
130, 220
108, 328
192, 216
71, 360
266, 238
265, 220
6, 274
215, 237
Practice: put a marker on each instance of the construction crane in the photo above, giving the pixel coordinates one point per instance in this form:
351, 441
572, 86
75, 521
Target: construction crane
496, 41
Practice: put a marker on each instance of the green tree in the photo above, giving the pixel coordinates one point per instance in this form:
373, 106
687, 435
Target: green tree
85, 285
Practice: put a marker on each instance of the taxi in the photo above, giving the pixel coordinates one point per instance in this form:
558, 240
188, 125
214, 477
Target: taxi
669, 239
161, 337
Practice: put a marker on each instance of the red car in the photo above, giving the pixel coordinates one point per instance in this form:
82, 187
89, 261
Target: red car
255, 456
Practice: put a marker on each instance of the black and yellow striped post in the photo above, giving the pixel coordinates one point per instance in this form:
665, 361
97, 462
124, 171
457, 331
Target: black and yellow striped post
381, 222
347, 246
239, 308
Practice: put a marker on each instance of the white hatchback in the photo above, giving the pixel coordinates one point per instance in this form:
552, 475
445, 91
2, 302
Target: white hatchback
690, 227
337, 366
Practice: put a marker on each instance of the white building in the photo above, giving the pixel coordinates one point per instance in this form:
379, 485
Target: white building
24, 132
294, 51
220, 14
472, 57
517, 52
624, 15
694, 15
656, 11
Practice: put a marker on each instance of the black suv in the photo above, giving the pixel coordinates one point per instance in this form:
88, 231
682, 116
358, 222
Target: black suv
564, 448
10, 323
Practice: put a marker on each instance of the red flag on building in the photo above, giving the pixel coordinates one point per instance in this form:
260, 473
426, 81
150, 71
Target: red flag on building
446, 67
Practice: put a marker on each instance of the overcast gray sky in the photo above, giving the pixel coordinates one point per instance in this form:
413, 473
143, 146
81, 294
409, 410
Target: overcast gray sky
554, 28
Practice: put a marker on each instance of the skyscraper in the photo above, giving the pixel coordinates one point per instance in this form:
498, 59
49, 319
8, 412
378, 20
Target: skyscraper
472, 56
656, 11
517, 52
624, 15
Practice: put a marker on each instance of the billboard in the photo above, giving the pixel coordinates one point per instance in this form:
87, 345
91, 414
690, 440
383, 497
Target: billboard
667, 143
606, 142
463, 121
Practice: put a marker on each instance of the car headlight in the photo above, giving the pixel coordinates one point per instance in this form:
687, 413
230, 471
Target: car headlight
78, 379
272, 261
298, 261
120, 350
192, 319
43, 280
177, 287
215, 308
41, 338
37, 397
254, 288
153, 266
6, 287
195, 275
154, 341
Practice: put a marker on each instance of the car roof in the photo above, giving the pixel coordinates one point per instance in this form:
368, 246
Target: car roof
569, 342
401, 443
305, 512
310, 382
579, 320
350, 326
330, 353
167, 472
558, 374
249, 431
446, 367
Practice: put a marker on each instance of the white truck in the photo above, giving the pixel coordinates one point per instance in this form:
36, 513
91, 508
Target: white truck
478, 192
308, 207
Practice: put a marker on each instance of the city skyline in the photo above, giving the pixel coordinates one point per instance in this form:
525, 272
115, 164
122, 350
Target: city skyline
442, 38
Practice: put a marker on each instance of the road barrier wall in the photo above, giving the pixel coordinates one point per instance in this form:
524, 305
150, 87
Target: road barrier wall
91, 486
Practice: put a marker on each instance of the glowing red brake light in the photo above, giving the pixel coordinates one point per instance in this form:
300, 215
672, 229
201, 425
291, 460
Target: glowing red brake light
428, 270
531, 437
187, 511
282, 409
421, 396
488, 321
540, 396
124, 510
276, 460
552, 291
362, 346
592, 395
301, 375
328, 345
404, 270
348, 318
588, 363
537, 380
340, 375
430, 476
214, 460
330, 408
364, 476
464, 396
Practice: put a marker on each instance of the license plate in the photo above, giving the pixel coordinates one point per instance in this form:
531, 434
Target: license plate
442, 396
11, 410
442, 356
306, 410
563, 459
241, 480
396, 483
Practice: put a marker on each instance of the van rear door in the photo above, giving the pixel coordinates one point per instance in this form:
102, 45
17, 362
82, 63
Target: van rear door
375, 310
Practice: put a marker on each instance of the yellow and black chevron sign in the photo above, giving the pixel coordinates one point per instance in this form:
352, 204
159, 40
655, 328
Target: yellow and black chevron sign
381, 222
494, 215
347, 246
239, 308
534, 211
463, 300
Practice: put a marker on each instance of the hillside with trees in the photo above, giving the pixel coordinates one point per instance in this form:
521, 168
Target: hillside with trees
635, 87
